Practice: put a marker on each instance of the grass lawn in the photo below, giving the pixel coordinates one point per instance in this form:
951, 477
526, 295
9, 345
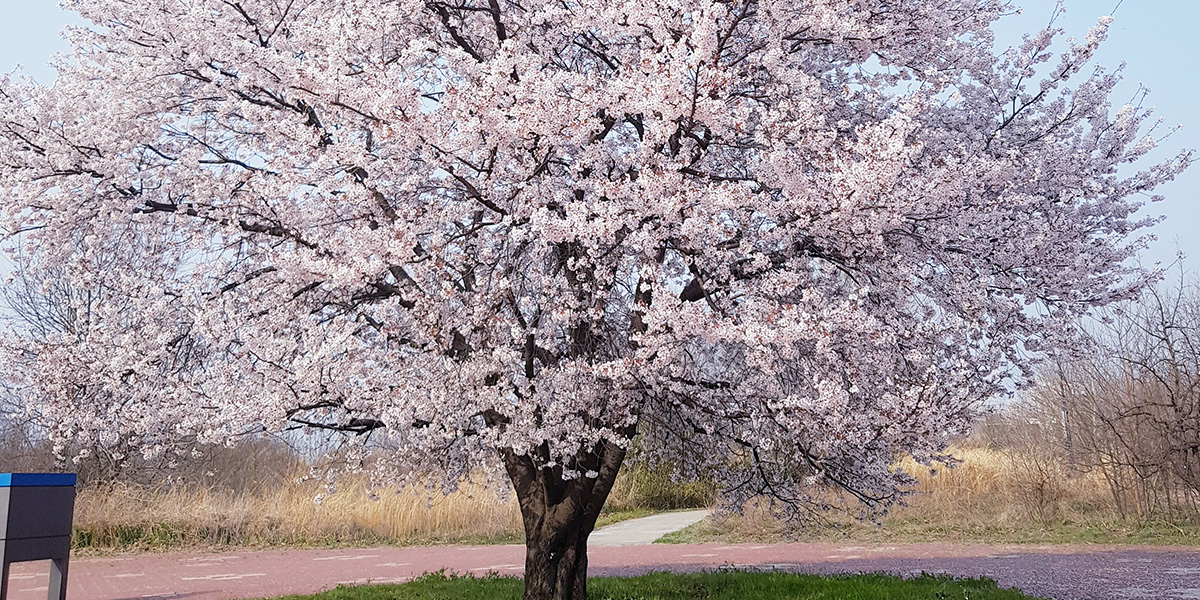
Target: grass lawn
616, 516
717, 585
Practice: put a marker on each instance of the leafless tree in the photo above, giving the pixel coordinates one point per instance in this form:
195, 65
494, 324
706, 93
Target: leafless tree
1128, 403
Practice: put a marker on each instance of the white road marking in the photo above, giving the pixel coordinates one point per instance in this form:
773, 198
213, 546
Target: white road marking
356, 557
125, 575
766, 566
393, 564
696, 555
224, 577
498, 568
375, 581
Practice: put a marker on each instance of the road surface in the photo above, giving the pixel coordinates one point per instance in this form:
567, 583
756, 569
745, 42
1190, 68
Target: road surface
1058, 572
637, 532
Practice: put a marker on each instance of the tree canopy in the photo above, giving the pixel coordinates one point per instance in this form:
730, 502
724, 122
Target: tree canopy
783, 240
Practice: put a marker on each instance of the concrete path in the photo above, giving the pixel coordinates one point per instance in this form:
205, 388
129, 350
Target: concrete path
1056, 572
644, 530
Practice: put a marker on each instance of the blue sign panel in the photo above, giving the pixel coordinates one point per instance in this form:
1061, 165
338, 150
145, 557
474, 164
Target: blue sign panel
36, 479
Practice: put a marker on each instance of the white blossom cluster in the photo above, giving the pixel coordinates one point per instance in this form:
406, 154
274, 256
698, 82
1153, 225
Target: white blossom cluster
786, 241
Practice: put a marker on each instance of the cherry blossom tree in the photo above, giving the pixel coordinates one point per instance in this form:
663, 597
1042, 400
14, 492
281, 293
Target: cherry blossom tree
782, 241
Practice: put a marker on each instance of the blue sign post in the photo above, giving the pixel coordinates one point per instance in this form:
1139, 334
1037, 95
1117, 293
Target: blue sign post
36, 511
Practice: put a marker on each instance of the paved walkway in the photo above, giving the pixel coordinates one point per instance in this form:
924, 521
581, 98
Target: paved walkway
636, 532
1058, 572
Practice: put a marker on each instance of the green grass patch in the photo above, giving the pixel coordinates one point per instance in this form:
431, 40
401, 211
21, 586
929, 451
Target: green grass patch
715, 585
616, 516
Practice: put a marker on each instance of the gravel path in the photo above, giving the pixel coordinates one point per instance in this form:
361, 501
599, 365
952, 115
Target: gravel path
1058, 572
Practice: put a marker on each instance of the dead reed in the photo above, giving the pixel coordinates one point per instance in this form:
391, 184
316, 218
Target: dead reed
128, 516
992, 495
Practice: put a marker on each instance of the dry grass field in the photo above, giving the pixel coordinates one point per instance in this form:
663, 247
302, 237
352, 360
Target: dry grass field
1014, 483
130, 516
257, 495
991, 496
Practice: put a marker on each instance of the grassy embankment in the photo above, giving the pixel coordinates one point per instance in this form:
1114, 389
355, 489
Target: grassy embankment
711, 586
993, 496
135, 517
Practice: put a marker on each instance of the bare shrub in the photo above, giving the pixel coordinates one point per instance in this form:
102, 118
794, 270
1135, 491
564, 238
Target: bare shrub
1129, 405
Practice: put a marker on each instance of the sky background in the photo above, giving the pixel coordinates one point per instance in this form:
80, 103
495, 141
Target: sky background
1156, 39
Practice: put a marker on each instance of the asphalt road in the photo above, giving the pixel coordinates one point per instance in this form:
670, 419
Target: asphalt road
1057, 572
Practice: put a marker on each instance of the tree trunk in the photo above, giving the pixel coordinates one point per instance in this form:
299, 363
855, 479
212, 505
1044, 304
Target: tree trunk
556, 565
559, 515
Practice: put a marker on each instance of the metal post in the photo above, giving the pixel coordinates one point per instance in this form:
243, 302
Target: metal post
3, 574
58, 579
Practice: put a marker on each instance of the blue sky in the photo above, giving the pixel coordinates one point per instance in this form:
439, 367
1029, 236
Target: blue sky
1156, 39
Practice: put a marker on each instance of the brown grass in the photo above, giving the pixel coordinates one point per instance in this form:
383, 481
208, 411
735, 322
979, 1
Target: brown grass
125, 516
276, 511
1006, 494
993, 495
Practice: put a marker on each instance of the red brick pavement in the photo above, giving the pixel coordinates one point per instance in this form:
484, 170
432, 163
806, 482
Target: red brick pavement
1059, 572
